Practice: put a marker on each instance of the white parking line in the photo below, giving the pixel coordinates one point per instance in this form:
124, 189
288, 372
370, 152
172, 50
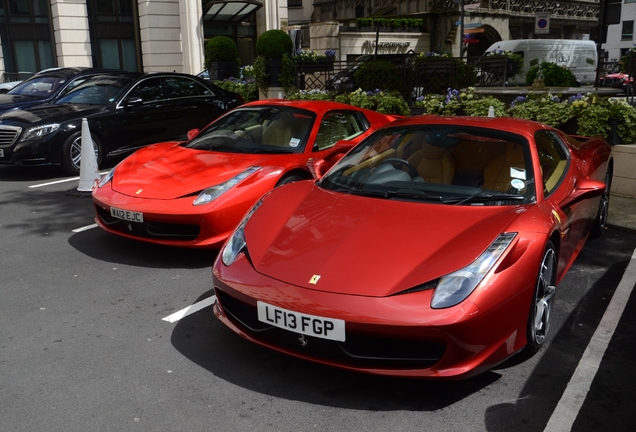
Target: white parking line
84, 228
575, 393
53, 182
190, 309
58, 181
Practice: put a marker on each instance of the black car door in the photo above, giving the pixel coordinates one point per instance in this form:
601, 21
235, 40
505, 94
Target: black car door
143, 116
193, 104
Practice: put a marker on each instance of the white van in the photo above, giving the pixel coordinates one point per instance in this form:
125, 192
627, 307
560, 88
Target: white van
579, 56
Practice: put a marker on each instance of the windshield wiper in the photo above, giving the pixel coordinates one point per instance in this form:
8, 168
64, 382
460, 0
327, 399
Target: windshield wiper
483, 198
399, 193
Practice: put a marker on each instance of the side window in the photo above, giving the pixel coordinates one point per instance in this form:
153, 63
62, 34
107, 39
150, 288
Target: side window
338, 125
149, 90
553, 157
184, 87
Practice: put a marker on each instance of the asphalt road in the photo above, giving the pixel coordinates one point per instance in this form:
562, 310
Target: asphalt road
84, 345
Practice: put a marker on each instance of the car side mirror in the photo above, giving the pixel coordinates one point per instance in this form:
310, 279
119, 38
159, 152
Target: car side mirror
192, 133
585, 189
133, 101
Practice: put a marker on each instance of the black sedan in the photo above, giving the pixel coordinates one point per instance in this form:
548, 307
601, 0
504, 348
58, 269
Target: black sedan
124, 113
47, 85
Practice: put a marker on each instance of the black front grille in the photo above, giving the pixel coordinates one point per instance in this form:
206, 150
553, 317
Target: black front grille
360, 349
8, 135
150, 229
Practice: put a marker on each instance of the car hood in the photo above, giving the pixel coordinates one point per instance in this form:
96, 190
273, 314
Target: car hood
366, 246
45, 113
168, 170
9, 102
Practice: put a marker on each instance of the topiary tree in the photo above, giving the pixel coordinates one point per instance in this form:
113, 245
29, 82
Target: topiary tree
221, 57
272, 44
220, 48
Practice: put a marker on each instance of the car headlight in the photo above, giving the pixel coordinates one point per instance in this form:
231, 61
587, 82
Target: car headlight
39, 131
108, 177
236, 243
455, 287
210, 194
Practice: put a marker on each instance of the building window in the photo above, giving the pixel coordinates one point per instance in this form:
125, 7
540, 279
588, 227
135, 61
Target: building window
26, 35
295, 3
114, 38
628, 30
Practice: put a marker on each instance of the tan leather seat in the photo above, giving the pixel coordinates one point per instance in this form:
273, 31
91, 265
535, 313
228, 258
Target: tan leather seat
497, 174
279, 131
435, 164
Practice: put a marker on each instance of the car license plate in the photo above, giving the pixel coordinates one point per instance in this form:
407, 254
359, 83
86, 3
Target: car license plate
310, 325
1, 152
127, 215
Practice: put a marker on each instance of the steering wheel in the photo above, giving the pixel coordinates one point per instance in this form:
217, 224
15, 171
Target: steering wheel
412, 170
249, 134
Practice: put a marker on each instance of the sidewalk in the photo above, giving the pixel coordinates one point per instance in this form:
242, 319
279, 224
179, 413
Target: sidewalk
622, 213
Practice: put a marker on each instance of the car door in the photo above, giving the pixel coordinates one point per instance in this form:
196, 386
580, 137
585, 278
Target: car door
143, 116
193, 105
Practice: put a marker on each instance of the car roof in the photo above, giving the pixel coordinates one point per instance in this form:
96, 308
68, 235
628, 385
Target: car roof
69, 72
312, 105
505, 124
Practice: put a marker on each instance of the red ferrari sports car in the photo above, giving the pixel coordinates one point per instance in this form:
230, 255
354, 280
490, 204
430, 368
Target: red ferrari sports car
432, 249
194, 193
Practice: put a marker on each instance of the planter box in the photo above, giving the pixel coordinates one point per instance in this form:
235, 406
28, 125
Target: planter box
320, 65
624, 181
222, 70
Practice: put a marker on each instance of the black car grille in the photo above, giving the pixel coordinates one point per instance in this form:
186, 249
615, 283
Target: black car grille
359, 350
149, 229
8, 135
609, 82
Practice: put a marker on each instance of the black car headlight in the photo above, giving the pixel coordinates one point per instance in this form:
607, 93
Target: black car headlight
39, 131
236, 242
108, 177
455, 287
213, 192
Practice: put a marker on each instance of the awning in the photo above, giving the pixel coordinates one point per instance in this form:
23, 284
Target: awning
230, 10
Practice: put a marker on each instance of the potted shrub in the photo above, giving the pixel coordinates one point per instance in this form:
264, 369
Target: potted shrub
274, 65
552, 75
221, 58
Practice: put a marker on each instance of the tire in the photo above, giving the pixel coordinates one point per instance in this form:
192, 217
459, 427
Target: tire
72, 153
290, 178
600, 223
542, 301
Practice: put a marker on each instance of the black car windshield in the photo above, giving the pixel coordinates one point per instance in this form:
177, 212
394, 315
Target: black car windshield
39, 87
98, 90
264, 129
447, 164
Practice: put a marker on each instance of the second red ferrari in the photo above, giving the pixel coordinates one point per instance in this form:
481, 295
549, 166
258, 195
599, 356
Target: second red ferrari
194, 193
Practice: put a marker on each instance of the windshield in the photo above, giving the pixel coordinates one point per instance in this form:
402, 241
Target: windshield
39, 87
98, 90
457, 165
266, 129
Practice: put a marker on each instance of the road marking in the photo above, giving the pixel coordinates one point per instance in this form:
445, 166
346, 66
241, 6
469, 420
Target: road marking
190, 310
85, 228
58, 182
575, 393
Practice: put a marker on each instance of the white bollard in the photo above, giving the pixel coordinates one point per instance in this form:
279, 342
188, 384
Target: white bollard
491, 111
89, 172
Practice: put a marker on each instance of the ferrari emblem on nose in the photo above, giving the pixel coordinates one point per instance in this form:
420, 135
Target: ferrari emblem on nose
314, 279
303, 341
138, 192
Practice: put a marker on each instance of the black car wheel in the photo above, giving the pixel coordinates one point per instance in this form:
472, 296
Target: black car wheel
600, 223
542, 301
289, 179
72, 153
